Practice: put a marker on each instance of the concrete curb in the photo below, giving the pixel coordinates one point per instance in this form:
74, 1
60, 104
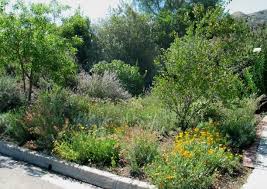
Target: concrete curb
86, 174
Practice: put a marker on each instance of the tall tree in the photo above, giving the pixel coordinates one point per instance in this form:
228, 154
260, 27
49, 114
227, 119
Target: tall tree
127, 36
80, 26
156, 6
171, 18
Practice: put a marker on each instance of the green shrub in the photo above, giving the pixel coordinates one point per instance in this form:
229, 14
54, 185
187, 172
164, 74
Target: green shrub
51, 113
127, 74
254, 75
105, 86
194, 75
84, 148
12, 126
147, 112
10, 96
193, 162
239, 122
151, 113
140, 148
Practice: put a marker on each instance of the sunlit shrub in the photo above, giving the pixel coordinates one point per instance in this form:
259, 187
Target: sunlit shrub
51, 113
193, 162
194, 75
129, 75
12, 126
140, 147
105, 86
88, 148
238, 122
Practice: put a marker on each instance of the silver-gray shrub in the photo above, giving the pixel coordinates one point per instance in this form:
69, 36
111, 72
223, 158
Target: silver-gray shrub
106, 86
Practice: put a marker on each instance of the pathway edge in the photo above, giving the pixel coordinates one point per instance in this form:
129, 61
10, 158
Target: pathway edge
86, 174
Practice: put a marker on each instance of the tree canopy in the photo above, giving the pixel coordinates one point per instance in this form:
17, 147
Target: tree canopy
80, 26
31, 42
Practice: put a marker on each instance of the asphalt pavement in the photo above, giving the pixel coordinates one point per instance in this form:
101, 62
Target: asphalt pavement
19, 175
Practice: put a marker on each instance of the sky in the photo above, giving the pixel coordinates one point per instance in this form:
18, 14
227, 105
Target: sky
97, 9
247, 6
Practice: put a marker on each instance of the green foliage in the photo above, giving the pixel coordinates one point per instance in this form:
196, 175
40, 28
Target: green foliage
171, 18
201, 78
127, 36
239, 122
140, 148
84, 148
105, 86
258, 67
128, 75
238, 40
156, 6
195, 159
32, 43
148, 113
194, 74
80, 26
12, 126
10, 96
52, 113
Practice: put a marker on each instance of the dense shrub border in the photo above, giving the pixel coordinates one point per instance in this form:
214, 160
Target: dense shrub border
189, 127
111, 136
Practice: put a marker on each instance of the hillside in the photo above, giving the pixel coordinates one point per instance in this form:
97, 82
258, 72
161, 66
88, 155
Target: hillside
257, 18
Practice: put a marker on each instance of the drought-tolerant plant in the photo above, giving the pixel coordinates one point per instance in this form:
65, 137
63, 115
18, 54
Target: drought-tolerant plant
140, 147
12, 126
51, 113
194, 74
238, 122
196, 157
150, 112
129, 76
105, 86
10, 96
87, 147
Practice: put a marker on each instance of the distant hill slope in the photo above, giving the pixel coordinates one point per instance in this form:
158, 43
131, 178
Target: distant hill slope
257, 18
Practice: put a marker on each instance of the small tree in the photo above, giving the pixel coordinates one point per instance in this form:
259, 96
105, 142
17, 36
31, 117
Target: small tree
194, 75
31, 41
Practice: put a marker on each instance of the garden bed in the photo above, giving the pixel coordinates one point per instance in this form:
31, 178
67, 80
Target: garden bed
82, 173
140, 145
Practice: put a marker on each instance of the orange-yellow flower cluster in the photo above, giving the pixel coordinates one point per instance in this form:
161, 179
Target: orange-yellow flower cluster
185, 141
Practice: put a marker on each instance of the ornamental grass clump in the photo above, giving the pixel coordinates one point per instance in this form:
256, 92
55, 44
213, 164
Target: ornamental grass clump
196, 157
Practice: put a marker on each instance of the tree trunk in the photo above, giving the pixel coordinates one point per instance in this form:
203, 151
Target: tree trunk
30, 87
24, 80
22, 70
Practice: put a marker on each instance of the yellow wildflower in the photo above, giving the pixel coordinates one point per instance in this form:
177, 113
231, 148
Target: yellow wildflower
210, 151
170, 177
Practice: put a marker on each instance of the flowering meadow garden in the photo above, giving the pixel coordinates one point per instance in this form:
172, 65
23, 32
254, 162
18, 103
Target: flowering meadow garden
159, 91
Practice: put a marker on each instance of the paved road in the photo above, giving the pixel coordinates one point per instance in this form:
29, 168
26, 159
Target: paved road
258, 178
19, 175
